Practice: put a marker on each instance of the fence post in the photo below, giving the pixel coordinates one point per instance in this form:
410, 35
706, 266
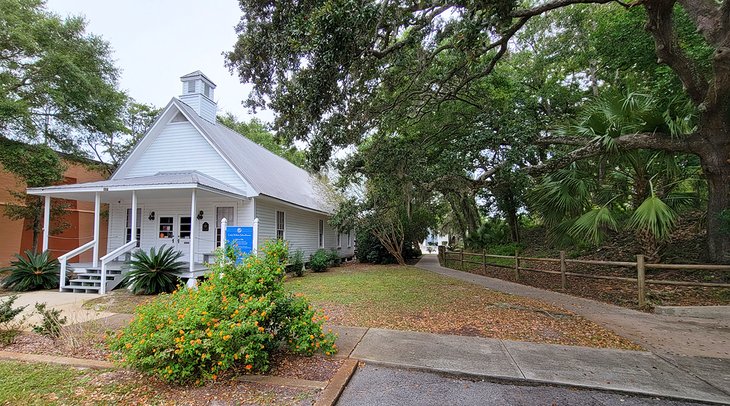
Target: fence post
484, 261
640, 271
517, 265
461, 258
563, 277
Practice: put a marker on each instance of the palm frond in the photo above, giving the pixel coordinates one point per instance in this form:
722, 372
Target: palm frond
655, 217
592, 225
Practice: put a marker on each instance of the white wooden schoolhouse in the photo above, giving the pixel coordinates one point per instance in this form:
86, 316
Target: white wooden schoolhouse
185, 176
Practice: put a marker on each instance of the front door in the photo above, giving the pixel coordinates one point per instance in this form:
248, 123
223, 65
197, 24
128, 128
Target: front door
174, 231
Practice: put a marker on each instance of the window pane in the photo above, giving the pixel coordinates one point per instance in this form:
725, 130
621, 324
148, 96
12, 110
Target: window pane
185, 225
166, 224
220, 214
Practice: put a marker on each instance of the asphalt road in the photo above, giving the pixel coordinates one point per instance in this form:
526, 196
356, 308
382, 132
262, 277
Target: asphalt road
376, 385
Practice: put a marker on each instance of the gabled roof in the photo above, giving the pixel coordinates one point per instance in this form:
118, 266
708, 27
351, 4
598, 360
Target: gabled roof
268, 173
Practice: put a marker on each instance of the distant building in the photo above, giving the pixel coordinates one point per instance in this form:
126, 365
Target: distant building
16, 236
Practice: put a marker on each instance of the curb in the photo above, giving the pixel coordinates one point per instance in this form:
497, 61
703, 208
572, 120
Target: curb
531, 382
52, 359
337, 384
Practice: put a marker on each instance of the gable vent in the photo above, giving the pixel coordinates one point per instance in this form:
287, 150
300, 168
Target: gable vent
179, 118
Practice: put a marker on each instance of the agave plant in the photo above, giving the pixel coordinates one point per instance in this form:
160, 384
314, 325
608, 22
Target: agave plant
32, 271
154, 273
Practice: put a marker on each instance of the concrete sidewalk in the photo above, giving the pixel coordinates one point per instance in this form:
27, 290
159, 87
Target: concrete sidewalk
616, 370
70, 304
667, 336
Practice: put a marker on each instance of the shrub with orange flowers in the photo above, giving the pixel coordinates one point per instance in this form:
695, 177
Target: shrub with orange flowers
236, 317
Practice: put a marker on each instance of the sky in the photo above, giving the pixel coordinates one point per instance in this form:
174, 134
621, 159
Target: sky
157, 41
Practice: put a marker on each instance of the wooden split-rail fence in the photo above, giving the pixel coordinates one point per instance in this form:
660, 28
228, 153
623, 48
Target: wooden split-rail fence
640, 265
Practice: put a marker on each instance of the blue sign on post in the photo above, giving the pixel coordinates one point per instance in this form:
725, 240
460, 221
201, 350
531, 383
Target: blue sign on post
241, 237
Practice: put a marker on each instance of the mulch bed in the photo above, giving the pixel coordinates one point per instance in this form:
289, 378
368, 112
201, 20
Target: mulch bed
86, 341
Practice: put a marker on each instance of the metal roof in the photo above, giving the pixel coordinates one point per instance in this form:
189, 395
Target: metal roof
268, 173
157, 180
197, 73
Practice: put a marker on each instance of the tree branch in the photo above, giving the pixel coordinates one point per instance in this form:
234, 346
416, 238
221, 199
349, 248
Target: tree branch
531, 12
590, 148
668, 50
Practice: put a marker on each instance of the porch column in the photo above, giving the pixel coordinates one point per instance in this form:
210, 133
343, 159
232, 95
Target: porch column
97, 211
193, 226
255, 236
46, 222
133, 237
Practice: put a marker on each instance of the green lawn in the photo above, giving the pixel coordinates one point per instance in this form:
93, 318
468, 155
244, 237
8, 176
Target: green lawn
45, 384
408, 298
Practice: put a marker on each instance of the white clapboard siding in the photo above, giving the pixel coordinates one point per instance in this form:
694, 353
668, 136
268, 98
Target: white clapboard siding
180, 147
205, 241
301, 228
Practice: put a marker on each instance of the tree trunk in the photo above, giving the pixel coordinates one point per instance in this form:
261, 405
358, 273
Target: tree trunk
715, 159
37, 226
717, 172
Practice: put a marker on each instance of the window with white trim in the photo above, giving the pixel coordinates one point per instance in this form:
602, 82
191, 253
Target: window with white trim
191, 86
339, 239
349, 239
280, 225
220, 214
128, 228
321, 233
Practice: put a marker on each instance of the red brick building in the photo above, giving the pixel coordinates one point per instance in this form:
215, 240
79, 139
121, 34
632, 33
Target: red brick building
16, 237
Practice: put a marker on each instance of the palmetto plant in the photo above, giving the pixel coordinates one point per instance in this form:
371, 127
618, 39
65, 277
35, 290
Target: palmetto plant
33, 271
639, 190
154, 273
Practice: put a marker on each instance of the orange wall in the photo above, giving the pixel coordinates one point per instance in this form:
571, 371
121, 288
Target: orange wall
15, 238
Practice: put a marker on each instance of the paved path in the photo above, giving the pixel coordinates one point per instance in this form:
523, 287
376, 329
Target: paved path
70, 305
670, 336
378, 385
484, 358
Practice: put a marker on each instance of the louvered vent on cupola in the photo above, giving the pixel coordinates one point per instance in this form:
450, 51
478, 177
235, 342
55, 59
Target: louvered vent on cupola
197, 92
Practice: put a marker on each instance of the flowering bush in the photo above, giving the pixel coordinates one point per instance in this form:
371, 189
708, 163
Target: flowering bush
238, 316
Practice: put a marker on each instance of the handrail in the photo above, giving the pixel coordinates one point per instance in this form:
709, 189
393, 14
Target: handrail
109, 257
63, 260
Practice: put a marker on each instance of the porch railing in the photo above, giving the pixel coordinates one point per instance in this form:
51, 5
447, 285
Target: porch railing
106, 259
63, 260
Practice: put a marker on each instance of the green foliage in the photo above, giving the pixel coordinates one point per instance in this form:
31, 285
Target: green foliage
320, 260
335, 259
8, 313
296, 262
51, 321
114, 147
491, 232
34, 271
257, 132
9, 327
655, 217
236, 317
156, 272
591, 225
58, 82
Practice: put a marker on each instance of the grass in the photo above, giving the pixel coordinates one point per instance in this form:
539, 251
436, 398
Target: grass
407, 298
46, 384
38, 384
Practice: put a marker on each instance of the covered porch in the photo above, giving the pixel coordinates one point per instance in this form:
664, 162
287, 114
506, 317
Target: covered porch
182, 210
